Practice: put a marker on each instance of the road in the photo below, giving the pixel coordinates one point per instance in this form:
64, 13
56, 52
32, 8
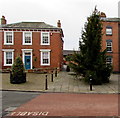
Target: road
59, 104
13, 99
69, 104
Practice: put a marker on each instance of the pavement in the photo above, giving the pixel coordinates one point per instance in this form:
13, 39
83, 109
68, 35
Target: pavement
64, 82
66, 96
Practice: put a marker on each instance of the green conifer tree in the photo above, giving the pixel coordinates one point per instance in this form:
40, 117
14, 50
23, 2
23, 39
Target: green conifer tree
17, 74
91, 60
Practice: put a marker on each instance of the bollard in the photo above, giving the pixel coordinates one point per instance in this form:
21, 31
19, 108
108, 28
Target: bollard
90, 84
90, 77
52, 77
46, 83
56, 72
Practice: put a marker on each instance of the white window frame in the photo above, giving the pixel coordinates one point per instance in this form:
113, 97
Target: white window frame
107, 46
41, 57
5, 38
24, 38
109, 62
48, 38
8, 50
108, 30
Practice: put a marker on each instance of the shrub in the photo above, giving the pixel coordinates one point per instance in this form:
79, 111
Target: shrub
18, 74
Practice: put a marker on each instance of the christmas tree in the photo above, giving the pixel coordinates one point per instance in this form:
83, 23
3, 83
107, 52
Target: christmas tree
91, 60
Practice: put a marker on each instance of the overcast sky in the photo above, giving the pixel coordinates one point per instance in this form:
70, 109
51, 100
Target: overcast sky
71, 13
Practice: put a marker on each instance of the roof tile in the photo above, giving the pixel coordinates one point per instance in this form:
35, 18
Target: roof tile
33, 25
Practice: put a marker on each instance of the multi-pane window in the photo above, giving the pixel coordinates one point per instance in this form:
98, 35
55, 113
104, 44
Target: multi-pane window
109, 46
109, 60
45, 38
8, 38
8, 57
45, 57
27, 38
108, 30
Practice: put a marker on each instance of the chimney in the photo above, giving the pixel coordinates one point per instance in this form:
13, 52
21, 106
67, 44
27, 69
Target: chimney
103, 15
3, 20
59, 24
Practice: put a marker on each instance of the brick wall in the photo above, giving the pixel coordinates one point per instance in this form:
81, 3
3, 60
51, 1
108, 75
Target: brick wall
115, 43
119, 45
56, 47
0, 50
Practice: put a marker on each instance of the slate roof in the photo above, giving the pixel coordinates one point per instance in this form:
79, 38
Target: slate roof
111, 19
29, 25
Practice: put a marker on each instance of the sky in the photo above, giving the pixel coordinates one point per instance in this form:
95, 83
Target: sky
71, 13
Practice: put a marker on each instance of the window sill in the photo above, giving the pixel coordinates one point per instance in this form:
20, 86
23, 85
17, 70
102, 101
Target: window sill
45, 64
109, 51
27, 44
8, 44
45, 44
8, 64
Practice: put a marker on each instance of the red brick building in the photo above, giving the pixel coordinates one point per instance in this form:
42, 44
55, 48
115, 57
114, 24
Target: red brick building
111, 40
38, 44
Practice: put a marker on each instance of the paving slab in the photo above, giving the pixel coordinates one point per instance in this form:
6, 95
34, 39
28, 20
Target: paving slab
64, 82
68, 104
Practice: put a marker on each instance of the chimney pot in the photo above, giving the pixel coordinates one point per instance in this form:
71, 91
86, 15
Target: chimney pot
103, 15
59, 24
3, 20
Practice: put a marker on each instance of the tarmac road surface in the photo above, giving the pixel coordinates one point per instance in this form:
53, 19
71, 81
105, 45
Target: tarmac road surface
69, 104
13, 99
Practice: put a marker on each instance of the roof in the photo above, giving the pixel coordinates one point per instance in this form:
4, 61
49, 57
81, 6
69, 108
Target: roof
68, 52
110, 19
29, 25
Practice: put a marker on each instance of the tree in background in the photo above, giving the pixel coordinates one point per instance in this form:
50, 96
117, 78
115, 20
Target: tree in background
91, 60
17, 74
